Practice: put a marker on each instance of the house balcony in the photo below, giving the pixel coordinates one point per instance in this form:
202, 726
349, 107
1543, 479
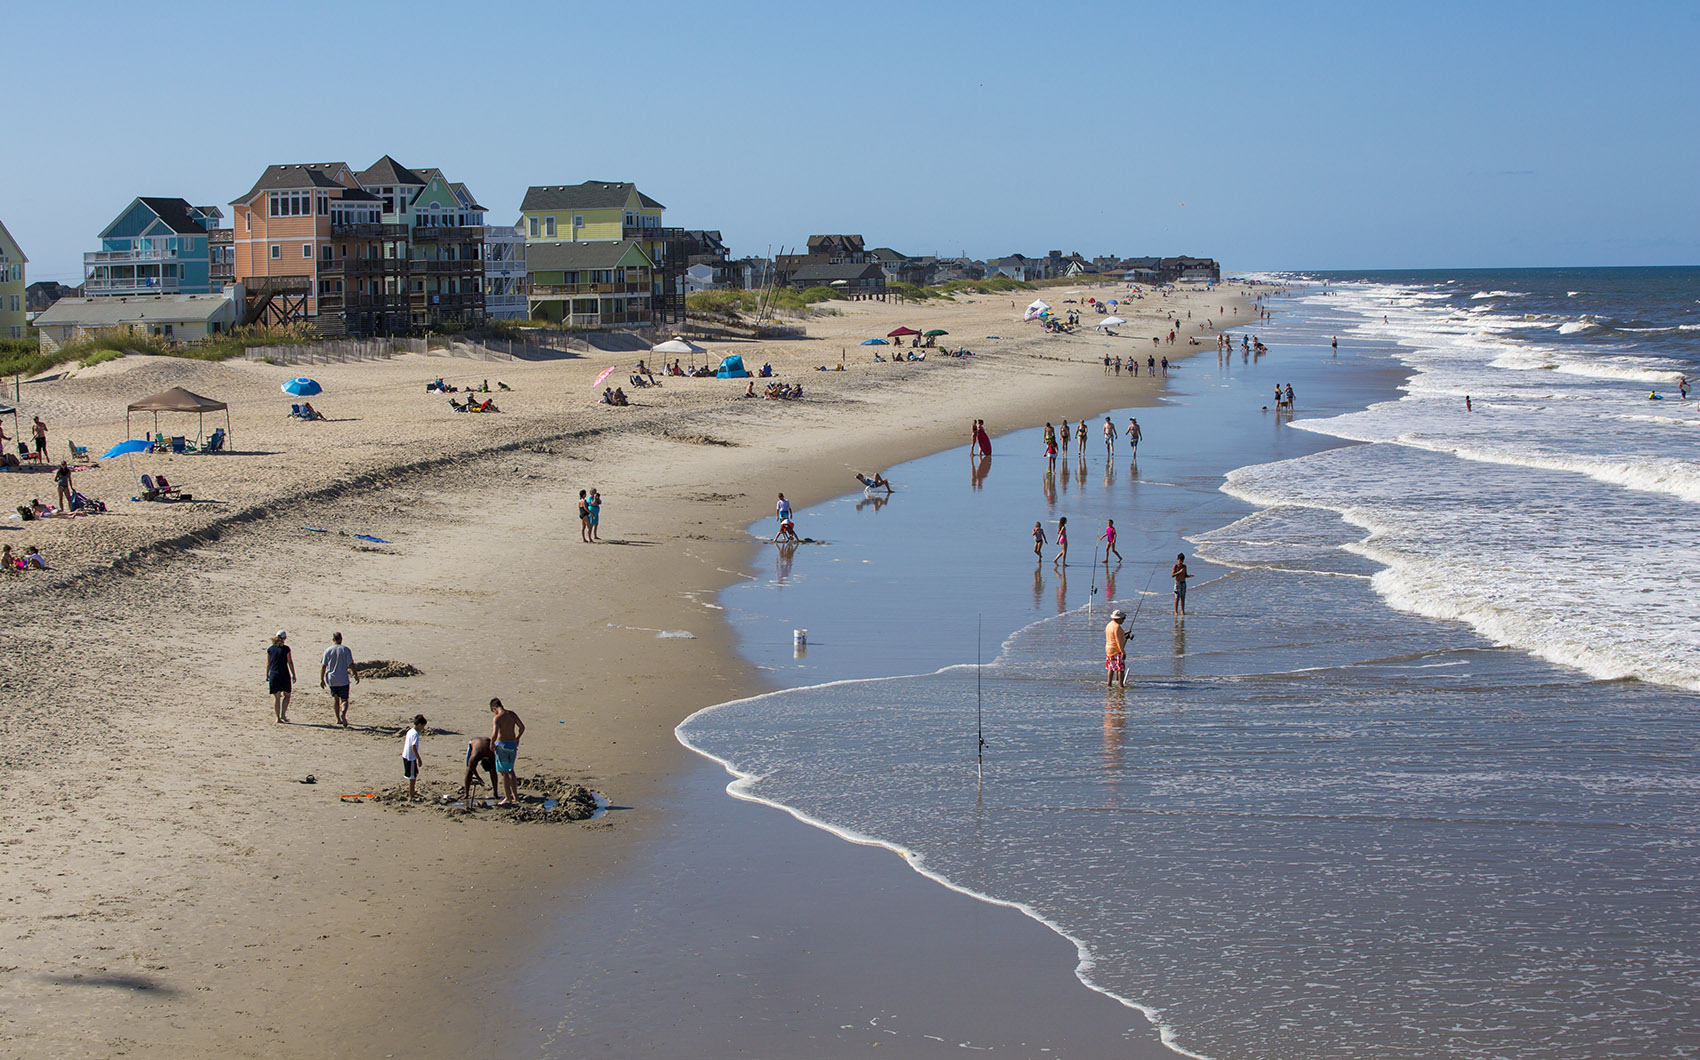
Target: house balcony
130, 257
95, 286
569, 290
369, 231
463, 267
358, 266
448, 234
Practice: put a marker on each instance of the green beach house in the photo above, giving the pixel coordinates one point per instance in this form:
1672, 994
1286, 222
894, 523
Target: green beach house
597, 255
12, 262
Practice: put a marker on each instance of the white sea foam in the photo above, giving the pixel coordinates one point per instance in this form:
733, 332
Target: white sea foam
1551, 520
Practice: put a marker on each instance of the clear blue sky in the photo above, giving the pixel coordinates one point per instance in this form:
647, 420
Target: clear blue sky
1267, 135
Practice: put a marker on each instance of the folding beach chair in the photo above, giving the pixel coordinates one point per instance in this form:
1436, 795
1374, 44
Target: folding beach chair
215, 444
78, 452
180, 444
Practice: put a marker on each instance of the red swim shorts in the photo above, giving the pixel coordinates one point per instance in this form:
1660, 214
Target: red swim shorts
1117, 663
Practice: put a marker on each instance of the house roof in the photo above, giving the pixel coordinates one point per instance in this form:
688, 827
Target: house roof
387, 170
591, 195
175, 213
888, 254
14, 242
826, 274
293, 176
570, 257
110, 312
846, 240
467, 201
357, 195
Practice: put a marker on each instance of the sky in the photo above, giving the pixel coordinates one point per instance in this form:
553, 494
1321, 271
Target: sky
1266, 135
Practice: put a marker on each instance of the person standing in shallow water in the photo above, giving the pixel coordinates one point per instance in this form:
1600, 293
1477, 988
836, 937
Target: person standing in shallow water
1109, 537
1061, 559
1038, 540
1179, 573
1115, 650
1109, 438
280, 675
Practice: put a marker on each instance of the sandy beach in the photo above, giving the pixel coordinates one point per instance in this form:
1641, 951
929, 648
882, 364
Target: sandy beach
177, 888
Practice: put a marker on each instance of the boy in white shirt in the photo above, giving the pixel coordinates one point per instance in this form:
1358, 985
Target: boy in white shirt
410, 755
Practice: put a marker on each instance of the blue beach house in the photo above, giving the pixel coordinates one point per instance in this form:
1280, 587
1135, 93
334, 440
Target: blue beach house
159, 246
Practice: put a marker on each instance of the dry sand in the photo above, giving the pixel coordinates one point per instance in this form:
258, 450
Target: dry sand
174, 888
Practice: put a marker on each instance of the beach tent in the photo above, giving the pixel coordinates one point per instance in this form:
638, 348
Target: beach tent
1109, 322
732, 368
179, 400
1036, 309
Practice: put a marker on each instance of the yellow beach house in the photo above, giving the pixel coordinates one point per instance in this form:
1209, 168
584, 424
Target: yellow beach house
597, 255
12, 262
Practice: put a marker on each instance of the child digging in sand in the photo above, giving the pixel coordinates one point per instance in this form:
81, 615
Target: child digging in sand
410, 756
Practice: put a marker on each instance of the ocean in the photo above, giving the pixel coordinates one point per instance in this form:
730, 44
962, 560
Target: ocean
1414, 776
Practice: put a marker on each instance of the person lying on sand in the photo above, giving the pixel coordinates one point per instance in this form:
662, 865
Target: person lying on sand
480, 754
879, 481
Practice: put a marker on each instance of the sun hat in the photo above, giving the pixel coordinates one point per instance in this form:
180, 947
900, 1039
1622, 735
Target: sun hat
1118, 615
281, 635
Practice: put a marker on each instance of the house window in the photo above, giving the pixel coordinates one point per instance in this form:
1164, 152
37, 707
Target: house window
327, 252
549, 225
631, 220
534, 228
307, 250
324, 204
277, 252
578, 220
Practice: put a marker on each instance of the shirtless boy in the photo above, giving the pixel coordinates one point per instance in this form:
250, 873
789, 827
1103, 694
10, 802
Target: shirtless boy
505, 730
480, 754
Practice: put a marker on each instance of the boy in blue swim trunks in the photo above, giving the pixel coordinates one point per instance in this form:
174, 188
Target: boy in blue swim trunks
505, 730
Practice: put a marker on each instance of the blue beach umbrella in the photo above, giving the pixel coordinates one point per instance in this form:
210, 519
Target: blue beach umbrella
301, 386
876, 342
134, 445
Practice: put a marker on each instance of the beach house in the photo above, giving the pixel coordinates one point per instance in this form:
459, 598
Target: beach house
442, 245
504, 272
311, 247
158, 245
383, 250
12, 262
597, 255
169, 318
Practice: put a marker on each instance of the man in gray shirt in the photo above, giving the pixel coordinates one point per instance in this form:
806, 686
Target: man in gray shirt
335, 669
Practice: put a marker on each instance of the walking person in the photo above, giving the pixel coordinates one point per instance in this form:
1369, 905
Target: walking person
280, 675
1115, 650
1039, 541
1065, 426
1109, 539
1061, 559
1080, 440
1134, 434
336, 666
505, 730
584, 516
62, 479
1179, 573
410, 756
1109, 438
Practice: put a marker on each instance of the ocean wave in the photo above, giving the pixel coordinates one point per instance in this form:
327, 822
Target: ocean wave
1500, 294
1577, 326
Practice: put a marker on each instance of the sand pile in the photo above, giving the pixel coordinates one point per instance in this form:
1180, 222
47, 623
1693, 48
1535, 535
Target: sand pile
380, 668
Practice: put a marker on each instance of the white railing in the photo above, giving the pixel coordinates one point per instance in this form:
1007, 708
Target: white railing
124, 257
131, 284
